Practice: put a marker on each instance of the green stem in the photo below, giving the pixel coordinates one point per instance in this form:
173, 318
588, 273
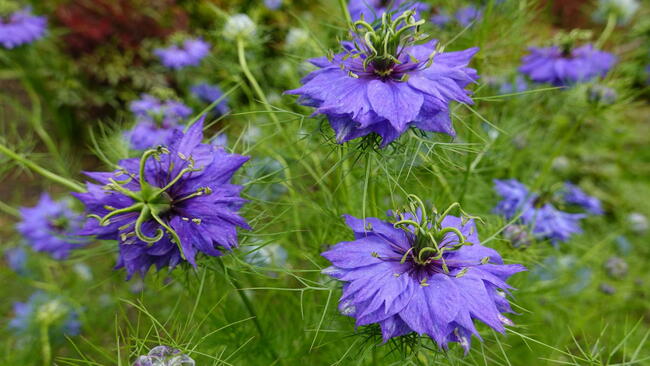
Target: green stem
609, 28
45, 345
249, 307
9, 210
37, 119
346, 13
256, 86
42, 171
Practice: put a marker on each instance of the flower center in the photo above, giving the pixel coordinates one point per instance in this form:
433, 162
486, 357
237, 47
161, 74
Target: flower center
431, 240
58, 224
381, 47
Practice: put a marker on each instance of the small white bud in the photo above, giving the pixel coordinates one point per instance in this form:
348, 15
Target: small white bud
239, 26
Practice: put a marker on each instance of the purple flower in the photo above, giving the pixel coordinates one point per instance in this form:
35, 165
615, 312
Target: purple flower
601, 94
576, 196
16, 258
468, 14
373, 9
517, 86
544, 219
441, 19
515, 196
362, 91
551, 223
190, 53
50, 227
418, 275
164, 356
156, 121
273, 4
209, 93
565, 67
168, 206
20, 28
42, 308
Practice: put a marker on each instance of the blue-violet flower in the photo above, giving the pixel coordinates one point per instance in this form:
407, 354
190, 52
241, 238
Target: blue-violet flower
424, 274
21, 27
383, 83
168, 206
51, 227
189, 53
155, 121
562, 66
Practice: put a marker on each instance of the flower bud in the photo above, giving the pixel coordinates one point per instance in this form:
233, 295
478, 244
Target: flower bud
239, 26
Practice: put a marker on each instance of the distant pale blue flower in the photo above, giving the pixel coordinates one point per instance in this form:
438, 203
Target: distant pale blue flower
42, 308
565, 67
221, 140
363, 92
638, 222
155, 121
574, 195
441, 18
601, 94
373, 9
51, 227
519, 236
616, 267
273, 4
394, 275
623, 10
239, 26
209, 93
607, 289
564, 270
267, 174
16, 258
20, 28
517, 86
168, 206
189, 53
268, 255
164, 356
468, 14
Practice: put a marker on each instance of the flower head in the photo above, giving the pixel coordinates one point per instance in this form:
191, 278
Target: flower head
168, 206
164, 356
189, 53
273, 4
623, 10
16, 259
50, 227
209, 93
576, 196
21, 27
601, 94
372, 10
517, 86
239, 26
426, 274
535, 211
441, 18
156, 121
468, 14
566, 65
44, 309
383, 83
